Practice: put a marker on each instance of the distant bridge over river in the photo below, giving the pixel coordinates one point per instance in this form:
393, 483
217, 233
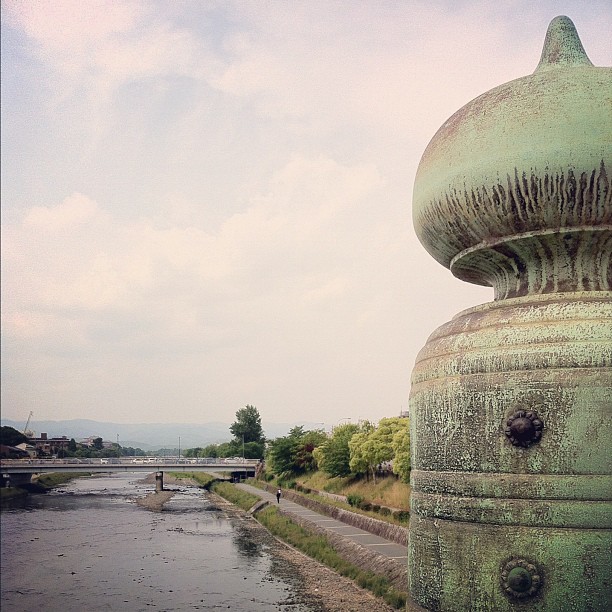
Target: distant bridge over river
21, 470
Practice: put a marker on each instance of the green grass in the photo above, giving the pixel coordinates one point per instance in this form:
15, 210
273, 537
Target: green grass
388, 491
318, 547
54, 479
400, 518
236, 496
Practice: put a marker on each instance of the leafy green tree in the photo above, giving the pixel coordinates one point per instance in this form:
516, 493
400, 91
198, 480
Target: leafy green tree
253, 450
372, 447
293, 453
304, 459
72, 445
247, 426
226, 449
282, 451
212, 450
333, 456
401, 450
11, 436
98, 443
358, 458
130, 451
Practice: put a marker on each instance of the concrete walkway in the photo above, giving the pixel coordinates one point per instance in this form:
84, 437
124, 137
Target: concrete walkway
374, 543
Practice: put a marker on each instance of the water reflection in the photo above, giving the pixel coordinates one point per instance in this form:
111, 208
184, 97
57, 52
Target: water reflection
91, 547
244, 542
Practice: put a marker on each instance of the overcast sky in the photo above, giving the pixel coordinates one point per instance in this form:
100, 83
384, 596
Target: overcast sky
207, 204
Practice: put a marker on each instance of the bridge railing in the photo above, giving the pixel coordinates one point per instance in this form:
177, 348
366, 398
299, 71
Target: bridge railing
153, 461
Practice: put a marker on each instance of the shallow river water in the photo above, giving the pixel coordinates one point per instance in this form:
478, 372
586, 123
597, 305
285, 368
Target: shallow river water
89, 546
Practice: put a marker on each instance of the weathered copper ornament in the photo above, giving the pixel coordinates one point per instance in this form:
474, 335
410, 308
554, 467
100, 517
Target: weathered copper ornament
511, 401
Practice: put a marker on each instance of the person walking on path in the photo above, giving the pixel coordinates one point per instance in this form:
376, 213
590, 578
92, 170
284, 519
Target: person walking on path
278, 496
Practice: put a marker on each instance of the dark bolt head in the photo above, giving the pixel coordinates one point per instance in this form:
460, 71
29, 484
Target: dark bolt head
523, 428
519, 580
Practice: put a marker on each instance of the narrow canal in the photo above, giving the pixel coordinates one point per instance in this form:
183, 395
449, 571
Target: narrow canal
89, 546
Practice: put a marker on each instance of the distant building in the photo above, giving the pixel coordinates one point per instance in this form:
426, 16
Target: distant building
89, 442
49, 446
13, 452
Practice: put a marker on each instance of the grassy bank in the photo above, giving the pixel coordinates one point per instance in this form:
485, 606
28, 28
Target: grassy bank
237, 497
315, 546
362, 500
387, 491
318, 547
45, 482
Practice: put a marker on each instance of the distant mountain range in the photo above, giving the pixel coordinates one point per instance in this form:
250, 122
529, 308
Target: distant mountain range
149, 436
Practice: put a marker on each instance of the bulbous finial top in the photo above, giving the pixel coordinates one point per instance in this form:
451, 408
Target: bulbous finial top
515, 189
562, 46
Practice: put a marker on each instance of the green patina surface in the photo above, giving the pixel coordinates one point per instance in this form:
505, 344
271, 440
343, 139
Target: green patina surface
514, 192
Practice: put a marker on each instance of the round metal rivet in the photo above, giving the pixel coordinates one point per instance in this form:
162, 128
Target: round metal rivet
523, 428
520, 579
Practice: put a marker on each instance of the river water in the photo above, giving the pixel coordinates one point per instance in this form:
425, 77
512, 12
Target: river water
89, 546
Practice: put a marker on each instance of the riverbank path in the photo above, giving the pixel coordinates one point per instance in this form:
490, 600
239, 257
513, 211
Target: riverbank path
374, 543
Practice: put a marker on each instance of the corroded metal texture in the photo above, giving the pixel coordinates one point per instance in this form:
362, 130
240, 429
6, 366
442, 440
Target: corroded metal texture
511, 401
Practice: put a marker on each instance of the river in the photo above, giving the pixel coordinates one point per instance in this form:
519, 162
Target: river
89, 546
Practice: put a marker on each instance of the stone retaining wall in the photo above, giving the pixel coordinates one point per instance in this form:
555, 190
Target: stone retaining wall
394, 533
395, 571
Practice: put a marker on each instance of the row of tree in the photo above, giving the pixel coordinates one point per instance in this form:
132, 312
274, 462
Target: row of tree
359, 450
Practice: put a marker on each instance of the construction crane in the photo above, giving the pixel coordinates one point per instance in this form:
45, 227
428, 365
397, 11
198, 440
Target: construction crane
25, 429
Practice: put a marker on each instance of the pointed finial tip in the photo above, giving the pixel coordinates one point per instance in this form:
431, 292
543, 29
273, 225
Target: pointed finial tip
562, 46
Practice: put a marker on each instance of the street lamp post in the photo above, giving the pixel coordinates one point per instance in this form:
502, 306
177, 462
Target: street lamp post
179, 448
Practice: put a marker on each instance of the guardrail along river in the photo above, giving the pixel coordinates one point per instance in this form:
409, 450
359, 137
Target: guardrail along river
89, 546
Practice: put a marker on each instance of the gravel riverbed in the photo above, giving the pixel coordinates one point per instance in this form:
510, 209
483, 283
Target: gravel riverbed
322, 588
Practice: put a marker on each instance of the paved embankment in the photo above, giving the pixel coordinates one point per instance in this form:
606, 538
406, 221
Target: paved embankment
364, 549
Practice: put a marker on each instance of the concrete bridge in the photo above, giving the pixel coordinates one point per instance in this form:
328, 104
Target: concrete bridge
20, 470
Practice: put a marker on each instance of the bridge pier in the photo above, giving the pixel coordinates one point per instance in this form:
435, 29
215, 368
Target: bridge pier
15, 480
159, 481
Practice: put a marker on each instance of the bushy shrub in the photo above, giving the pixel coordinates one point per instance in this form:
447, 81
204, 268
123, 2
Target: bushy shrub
354, 500
365, 505
375, 508
403, 516
384, 511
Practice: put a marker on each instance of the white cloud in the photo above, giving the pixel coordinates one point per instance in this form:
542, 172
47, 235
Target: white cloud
238, 228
